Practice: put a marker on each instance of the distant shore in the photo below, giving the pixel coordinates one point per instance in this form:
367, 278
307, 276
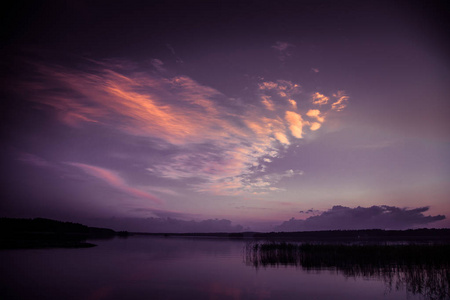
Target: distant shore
375, 235
47, 233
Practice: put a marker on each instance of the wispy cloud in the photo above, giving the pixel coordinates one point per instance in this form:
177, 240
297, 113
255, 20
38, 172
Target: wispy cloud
172, 50
284, 50
34, 160
264, 184
158, 65
319, 99
267, 102
139, 105
341, 102
158, 213
220, 144
114, 180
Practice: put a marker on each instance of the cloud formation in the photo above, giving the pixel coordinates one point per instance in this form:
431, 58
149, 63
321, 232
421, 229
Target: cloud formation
374, 217
34, 160
341, 101
315, 114
319, 99
220, 143
115, 181
295, 123
171, 225
284, 50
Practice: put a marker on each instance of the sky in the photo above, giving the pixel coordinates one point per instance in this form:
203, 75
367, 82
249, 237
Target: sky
176, 116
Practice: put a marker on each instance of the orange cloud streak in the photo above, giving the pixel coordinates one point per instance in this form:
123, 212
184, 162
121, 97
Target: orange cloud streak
319, 99
341, 102
184, 113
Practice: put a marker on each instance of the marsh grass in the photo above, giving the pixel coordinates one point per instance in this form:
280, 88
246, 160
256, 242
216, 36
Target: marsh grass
422, 269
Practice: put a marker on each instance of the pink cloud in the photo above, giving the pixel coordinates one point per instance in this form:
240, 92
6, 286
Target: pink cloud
315, 114
268, 103
319, 99
341, 101
295, 122
34, 160
183, 113
281, 46
284, 50
137, 104
293, 103
114, 180
315, 126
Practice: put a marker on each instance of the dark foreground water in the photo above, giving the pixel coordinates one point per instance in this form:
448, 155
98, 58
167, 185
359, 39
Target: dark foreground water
141, 267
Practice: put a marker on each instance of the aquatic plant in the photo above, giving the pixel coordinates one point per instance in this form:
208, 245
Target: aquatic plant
421, 268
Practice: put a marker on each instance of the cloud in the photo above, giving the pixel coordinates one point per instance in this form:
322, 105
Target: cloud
115, 181
319, 99
158, 65
268, 103
295, 124
158, 213
34, 160
281, 46
284, 50
315, 113
171, 225
315, 126
311, 211
341, 103
278, 176
282, 138
218, 144
375, 217
163, 191
265, 183
283, 88
172, 50
138, 105
293, 103
268, 85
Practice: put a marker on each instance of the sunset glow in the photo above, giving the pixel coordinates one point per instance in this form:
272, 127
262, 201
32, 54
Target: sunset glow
263, 116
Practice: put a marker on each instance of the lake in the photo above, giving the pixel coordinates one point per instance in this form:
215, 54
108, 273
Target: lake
143, 267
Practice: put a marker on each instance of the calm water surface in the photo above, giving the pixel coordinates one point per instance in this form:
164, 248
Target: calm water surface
174, 268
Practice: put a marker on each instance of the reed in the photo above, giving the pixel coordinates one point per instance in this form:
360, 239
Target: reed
421, 269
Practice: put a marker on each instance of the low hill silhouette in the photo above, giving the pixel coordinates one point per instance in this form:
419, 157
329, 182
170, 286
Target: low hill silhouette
47, 233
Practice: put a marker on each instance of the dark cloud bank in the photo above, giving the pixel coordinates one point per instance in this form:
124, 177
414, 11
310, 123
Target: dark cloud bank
375, 217
338, 217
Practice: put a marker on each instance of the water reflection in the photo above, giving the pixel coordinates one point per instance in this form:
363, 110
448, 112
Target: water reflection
422, 269
142, 267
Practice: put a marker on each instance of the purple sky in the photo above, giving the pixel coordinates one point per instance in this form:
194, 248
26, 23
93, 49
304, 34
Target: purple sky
287, 115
